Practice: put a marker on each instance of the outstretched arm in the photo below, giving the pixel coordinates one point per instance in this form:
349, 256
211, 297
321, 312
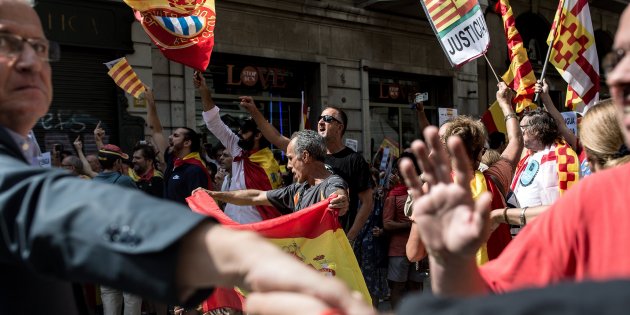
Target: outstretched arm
268, 130
423, 121
245, 197
87, 169
154, 122
99, 135
514, 148
450, 223
206, 96
543, 89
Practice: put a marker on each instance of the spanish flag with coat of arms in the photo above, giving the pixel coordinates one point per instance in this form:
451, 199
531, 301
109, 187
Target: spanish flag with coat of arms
312, 235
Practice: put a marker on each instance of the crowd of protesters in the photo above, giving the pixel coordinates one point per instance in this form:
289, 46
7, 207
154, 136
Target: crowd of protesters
441, 212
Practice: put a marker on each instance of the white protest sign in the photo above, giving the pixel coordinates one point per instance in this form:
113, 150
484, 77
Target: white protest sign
570, 119
446, 114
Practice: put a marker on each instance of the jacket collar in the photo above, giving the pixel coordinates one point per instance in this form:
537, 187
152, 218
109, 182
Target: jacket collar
8, 145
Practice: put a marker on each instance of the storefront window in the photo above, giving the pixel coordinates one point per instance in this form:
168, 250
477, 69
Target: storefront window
275, 85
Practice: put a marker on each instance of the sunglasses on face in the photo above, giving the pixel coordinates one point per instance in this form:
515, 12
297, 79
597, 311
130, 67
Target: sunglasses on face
329, 119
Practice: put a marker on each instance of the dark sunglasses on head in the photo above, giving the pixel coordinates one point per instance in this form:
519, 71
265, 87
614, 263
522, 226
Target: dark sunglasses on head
329, 119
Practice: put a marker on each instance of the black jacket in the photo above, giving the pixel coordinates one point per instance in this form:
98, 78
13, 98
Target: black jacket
56, 228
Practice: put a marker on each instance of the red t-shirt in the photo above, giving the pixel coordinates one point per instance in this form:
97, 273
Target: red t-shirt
393, 210
584, 235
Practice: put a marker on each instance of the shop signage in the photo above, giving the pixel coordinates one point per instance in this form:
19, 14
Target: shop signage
85, 24
267, 77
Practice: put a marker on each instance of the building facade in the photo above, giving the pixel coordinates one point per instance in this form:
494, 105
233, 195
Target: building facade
366, 57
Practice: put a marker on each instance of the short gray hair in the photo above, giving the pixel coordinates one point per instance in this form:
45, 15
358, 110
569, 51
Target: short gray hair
311, 142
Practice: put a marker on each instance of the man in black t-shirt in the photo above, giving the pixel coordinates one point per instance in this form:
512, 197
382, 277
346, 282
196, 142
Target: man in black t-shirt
340, 159
351, 166
306, 153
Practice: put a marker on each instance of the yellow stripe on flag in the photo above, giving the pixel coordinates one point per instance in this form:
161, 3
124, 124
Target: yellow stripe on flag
123, 75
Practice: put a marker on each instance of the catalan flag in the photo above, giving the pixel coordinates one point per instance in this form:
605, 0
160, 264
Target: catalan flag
460, 27
574, 53
125, 77
312, 235
183, 30
520, 76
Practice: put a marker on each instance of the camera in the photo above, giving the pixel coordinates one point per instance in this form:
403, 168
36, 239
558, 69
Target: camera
421, 97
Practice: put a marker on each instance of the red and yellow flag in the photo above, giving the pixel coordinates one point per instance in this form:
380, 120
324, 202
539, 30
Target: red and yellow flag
312, 235
574, 53
125, 77
261, 172
568, 166
183, 30
520, 76
493, 119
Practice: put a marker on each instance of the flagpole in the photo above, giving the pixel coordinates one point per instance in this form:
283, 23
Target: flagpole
544, 70
491, 68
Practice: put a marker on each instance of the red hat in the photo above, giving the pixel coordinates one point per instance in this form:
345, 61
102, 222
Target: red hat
111, 151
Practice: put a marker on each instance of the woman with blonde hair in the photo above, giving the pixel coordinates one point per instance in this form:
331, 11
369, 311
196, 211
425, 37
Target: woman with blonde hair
602, 138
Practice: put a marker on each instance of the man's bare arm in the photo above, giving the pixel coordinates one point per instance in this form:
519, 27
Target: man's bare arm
514, 147
87, 169
543, 88
245, 197
268, 130
363, 213
154, 122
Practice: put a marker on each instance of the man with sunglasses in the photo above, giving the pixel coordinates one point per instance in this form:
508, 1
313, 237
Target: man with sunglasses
56, 229
341, 160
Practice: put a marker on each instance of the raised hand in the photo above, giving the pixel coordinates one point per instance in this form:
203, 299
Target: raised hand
247, 102
504, 93
198, 80
78, 144
541, 87
452, 226
148, 96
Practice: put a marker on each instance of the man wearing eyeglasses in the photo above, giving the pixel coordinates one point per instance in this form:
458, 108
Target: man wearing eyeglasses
341, 160
56, 228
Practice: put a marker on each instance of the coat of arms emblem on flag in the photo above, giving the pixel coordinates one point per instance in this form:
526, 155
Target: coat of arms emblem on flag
183, 30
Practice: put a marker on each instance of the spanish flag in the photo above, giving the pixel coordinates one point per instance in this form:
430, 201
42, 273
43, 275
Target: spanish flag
493, 119
262, 172
312, 235
125, 77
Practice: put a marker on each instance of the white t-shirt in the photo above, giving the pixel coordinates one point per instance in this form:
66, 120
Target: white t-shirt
538, 183
240, 214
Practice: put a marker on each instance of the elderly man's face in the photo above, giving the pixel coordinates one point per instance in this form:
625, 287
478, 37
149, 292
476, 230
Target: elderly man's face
619, 78
295, 164
25, 79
